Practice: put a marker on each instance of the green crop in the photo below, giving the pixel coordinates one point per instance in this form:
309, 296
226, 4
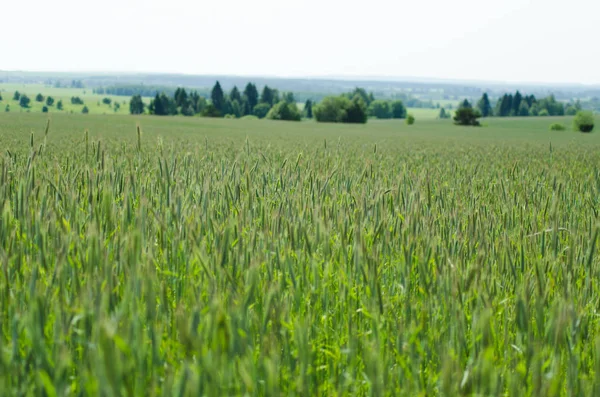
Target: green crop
227, 257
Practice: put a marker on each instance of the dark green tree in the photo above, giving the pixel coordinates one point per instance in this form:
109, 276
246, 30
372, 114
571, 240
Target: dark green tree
583, 122
7, 108
235, 95
516, 104
443, 114
398, 110
59, 105
332, 109
523, 109
269, 96
285, 111
76, 100
39, 98
218, 98
251, 96
211, 111
181, 97
85, 110
24, 101
308, 109
136, 105
466, 104
16, 96
261, 110
106, 101
289, 97
380, 109
44, 109
356, 112
367, 98
466, 116
0, 97
484, 106
49, 101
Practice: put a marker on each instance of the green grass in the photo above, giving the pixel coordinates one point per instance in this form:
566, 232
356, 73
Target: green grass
229, 257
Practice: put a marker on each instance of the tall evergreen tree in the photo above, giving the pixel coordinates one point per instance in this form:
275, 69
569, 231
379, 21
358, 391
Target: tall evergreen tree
251, 95
484, 106
466, 104
181, 97
218, 98
308, 109
235, 95
269, 96
516, 103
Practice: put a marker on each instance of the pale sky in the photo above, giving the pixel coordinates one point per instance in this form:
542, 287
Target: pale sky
502, 40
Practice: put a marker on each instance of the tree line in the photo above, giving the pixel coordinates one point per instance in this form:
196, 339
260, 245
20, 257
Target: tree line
519, 105
352, 107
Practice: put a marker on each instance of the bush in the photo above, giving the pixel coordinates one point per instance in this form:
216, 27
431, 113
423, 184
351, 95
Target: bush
24, 101
39, 98
558, 127
85, 110
285, 111
210, 111
583, 121
261, 110
106, 101
76, 100
7, 108
230, 116
467, 116
49, 101
380, 109
45, 109
543, 113
249, 117
59, 105
410, 119
340, 109
398, 110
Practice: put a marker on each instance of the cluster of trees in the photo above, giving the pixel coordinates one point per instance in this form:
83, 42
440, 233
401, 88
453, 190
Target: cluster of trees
466, 115
519, 105
269, 103
75, 100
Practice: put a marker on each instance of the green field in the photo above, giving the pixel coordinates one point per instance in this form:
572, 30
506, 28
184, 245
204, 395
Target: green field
212, 257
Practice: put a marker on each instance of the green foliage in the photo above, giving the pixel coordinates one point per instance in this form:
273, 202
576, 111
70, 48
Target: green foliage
250, 97
523, 109
0, 97
558, 127
211, 111
332, 109
7, 108
361, 92
117, 106
39, 98
181, 98
583, 121
466, 116
217, 98
249, 117
59, 104
76, 100
356, 112
49, 101
162, 105
45, 109
269, 96
285, 111
484, 106
85, 110
235, 95
261, 110
24, 101
398, 110
106, 101
136, 105
308, 113
380, 109
443, 114
543, 113
16, 96
410, 119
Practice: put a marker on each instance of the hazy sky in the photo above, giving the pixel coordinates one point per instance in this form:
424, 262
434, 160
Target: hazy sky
500, 40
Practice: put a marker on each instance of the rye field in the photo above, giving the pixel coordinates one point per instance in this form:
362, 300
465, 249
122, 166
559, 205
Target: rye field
205, 257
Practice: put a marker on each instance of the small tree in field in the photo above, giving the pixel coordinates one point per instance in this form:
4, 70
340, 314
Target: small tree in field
49, 101
467, 116
410, 119
24, 101
85, 110
39, 98
0, 97
16, 96
59, 105
45, 109
584, 121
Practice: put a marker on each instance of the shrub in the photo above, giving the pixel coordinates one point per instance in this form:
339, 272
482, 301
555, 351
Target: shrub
7, 108
340, 109
467, 116
106, 101
261, 110
380, 109
583, 121
410, 119
285, 111
49, 101
45, 109
76, 100
39, 98
249, 117
211, 111
24, 101
543, 113
230, 116
557, 127
59, 105
85, 110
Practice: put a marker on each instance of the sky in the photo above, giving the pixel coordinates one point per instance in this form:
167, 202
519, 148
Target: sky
529, 41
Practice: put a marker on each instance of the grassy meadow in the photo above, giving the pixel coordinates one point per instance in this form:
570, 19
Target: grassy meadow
212, 257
